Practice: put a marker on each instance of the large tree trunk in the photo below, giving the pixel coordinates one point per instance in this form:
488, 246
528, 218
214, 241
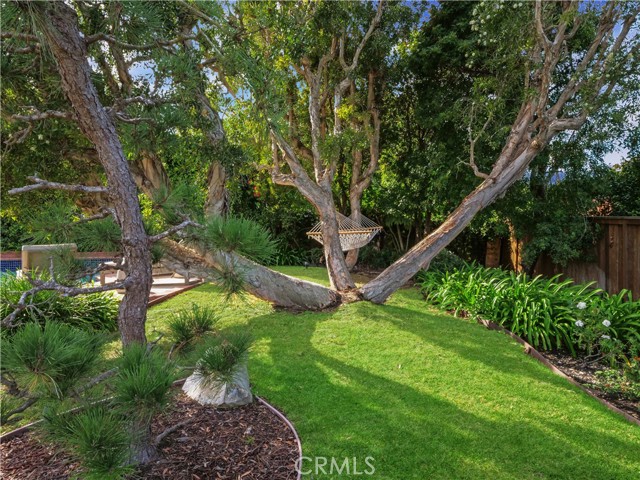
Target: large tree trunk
356, 214
419, 257
216, 202
282, 290
59, 24
336, 265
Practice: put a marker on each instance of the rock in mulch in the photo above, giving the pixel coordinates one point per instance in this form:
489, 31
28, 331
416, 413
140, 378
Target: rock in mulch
248, 442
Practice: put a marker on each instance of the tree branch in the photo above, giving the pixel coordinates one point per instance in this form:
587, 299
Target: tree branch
131, 46
40, 184
35, 117
356, 56
172, 230
52, 284
170, 430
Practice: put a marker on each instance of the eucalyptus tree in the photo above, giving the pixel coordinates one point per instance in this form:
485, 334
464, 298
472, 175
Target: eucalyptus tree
316, 72
573, 58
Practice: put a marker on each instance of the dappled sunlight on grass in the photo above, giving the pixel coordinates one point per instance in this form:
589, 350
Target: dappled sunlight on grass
426, 394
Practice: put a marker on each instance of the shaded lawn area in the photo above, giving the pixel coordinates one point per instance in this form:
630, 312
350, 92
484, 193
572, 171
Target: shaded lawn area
425, 394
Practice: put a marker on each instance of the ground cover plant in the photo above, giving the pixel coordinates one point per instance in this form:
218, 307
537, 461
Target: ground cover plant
97, 311
551, 314
425, 394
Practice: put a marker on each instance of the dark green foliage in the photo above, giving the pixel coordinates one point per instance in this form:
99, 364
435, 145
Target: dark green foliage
50, 360
96, 436
190, 323
446, 261
624, 188
239, 235
102, 235
96, 311
222, 356
13, 233
542, 311
143, 380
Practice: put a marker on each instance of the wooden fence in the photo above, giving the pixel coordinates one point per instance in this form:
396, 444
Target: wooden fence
616, 264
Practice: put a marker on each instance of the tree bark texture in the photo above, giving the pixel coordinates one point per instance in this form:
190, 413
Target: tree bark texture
60, 27
277, 288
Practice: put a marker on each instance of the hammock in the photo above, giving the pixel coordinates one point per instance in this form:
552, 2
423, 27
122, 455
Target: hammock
352, 234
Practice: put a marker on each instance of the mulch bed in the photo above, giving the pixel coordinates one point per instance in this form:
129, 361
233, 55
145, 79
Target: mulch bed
245, 443
585, 375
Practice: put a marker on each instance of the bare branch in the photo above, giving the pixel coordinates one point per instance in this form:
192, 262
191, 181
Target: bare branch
356, 56
35, 117
170, 430
40, 184
98, 37
103, 214
20, 36
6, 418
172, 230
472, 144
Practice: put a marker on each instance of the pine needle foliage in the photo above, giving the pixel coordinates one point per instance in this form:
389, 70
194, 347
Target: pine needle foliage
239, 235
222, 357
143, 380
96, 436
191, 323
51, 359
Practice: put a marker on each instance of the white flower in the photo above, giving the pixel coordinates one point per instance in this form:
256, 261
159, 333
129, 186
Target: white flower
606, 323
581, 306
607, 337
580, 323
40, 137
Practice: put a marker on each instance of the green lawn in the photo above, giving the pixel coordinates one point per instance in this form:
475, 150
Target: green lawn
425, 394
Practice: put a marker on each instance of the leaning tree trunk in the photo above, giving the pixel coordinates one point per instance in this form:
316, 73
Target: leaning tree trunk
59, 24
419, 257
277, 288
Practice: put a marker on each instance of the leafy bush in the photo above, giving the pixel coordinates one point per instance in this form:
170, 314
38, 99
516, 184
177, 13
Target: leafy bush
543, 311
96, 311
188, 324
376, 258
446, 261
50, 359
222, 357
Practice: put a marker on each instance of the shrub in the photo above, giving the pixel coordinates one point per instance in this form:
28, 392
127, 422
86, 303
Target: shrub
50, 359
446, 261
96, 436
222, 357
96, 311
188, 324
543, 311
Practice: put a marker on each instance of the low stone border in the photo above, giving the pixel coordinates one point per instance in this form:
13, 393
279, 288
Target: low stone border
178, 383
532, 352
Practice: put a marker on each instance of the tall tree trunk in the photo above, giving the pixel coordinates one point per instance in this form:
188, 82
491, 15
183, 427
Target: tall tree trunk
59, 24
336, 265
216, 202
419, 257
356, 215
